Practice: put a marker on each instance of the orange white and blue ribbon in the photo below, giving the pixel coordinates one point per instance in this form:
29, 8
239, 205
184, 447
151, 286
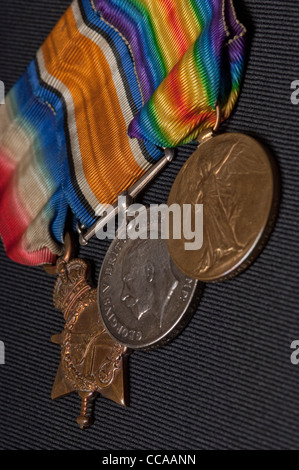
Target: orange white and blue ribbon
114, 82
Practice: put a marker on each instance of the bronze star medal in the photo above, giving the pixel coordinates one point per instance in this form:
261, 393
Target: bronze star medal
91, 362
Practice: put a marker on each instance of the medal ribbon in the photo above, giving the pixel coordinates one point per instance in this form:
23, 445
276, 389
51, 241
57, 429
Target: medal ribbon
114, 82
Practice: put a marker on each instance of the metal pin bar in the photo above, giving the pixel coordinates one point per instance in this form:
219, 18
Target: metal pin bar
131, 193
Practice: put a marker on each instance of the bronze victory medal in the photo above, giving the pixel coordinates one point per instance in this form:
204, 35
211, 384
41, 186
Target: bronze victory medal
144, 299
236, 181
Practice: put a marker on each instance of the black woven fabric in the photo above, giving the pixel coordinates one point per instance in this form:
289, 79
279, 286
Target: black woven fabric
227, 381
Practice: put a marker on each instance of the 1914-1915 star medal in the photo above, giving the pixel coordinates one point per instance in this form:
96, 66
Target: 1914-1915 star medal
91, 362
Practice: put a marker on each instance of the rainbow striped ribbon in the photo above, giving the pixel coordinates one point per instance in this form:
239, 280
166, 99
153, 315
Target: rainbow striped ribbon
115, 82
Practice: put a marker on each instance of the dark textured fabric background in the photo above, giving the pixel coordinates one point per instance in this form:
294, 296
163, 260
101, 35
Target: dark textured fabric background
227, 382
